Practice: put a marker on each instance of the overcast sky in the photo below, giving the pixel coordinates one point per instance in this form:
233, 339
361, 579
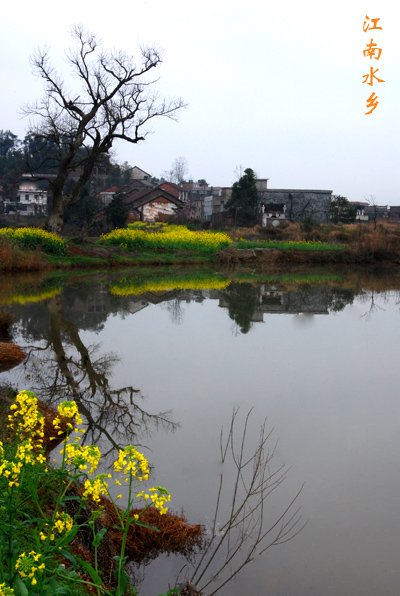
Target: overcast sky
275, 86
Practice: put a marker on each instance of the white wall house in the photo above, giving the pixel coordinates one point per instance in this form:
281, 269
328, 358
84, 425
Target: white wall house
31, 199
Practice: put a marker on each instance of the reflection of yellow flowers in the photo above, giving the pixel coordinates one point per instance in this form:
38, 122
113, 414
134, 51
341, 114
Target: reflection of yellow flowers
170, 283
25, 298
27, 565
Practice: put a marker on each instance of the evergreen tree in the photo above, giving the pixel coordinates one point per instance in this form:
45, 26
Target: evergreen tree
341, 210
243, 204
117, 211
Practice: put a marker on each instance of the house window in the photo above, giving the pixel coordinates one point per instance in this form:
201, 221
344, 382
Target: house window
26, 197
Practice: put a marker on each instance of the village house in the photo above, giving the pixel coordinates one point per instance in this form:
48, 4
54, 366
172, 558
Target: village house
106, 196
377, 213
139, 174
293, 205
272, 214
30, 199
153, 204
176, 190
360, 206
394, 214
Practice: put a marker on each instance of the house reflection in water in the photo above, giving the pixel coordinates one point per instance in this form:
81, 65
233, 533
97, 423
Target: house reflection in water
311, 300
244, 301
272, 299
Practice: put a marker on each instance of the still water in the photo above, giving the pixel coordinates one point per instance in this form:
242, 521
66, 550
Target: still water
163, 363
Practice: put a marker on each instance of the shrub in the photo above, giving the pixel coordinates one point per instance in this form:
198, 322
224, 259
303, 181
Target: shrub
308, 224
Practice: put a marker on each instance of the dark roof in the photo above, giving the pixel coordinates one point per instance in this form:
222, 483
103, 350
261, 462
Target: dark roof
177, 186
141, 197
134, 184
274, 206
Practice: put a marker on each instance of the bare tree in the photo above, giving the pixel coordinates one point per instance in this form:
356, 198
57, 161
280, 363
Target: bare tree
116, 101
371, 200
178, 171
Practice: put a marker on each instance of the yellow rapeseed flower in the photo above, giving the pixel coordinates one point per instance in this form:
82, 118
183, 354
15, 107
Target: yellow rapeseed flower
96, 487
27, 565
132, 463
79, 457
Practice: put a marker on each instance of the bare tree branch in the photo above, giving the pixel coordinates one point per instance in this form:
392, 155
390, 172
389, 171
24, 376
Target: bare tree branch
234, 542
115, 101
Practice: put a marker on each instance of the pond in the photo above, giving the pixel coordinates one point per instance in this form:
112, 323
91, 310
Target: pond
164, 361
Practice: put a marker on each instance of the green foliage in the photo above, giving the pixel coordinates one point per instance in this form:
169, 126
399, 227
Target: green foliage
308, 224
81, 213
243, 203
10, 154
117, 211
341, 211
146, 225
319, 246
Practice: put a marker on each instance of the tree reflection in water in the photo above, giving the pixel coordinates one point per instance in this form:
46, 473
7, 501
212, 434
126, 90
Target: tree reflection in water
240, 530
247, 304
241, 300
66, 369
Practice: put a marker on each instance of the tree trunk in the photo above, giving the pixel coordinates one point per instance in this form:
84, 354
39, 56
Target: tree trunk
55, 220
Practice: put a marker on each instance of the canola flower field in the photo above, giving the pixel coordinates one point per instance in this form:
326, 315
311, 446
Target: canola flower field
33, 238
169, 237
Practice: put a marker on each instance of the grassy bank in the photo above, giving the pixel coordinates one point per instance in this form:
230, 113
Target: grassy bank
29, 249
358, 243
